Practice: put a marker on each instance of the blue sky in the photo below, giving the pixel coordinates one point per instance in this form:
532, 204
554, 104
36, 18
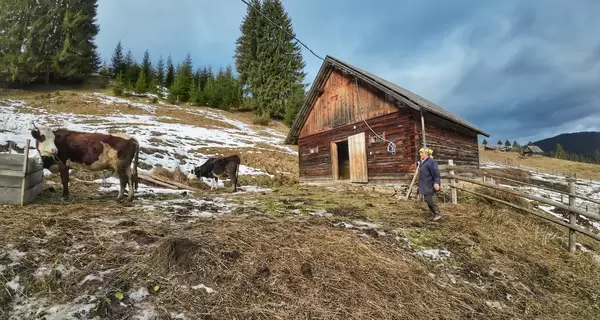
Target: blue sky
521, 70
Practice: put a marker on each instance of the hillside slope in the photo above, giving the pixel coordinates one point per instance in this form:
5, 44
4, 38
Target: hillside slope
582, 143
541, 163
171, 136
285, 252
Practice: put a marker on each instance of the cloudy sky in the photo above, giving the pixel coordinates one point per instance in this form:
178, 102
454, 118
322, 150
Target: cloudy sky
521, 70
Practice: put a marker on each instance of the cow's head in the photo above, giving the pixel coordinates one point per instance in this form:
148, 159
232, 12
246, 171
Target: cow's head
44, 140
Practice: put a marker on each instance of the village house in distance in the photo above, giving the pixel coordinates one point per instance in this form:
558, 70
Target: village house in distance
357, 127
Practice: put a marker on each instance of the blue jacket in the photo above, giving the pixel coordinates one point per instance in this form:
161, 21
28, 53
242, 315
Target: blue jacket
429, 174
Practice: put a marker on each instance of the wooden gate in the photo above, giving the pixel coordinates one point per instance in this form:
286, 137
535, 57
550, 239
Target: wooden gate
357, 150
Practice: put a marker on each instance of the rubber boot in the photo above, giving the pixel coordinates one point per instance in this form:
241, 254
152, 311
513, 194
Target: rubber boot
436, 214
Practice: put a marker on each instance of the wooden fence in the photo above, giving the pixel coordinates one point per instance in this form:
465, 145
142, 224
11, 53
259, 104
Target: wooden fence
574, 211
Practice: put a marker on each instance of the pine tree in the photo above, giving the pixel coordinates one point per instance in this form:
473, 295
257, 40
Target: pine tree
246, 49
276, 81
160, 72
194, 93
507, 143
499, 142
485, 142
147, 67
559, 152
117, 64
140, 84
170, 72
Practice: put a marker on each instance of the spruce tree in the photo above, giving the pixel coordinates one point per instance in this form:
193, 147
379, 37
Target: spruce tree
246, 49
170, 72
147, 67
484, 142
160, 72
140, 84
272, 71
117, 64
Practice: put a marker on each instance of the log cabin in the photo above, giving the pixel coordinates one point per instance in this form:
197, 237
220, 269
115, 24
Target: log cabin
357, 127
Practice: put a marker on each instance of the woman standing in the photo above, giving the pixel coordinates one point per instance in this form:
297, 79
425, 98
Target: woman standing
429, 182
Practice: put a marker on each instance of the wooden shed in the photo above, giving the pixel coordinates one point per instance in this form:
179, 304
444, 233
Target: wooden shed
532, 150
358, 127
21, 178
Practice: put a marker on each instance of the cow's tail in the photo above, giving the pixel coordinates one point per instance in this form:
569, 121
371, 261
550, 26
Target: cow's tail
237, 172
134, 171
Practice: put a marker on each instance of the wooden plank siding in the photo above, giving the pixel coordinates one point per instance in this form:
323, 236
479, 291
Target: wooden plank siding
449, 141
338, 105
381, 165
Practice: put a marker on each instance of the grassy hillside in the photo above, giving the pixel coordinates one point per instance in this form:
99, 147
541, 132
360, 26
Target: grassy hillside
284, 252
542, 164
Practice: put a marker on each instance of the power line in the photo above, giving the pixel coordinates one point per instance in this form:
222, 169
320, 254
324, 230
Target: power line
280, 27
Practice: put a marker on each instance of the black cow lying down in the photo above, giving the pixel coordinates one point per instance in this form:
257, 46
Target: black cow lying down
64, 149
219, 167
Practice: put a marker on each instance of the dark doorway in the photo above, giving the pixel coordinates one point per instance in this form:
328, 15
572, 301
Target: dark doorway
343, 160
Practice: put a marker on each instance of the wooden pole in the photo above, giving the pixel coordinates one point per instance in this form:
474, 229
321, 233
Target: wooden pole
423, 129
412, 182
25, 168
589, 215
572, 217
453, 182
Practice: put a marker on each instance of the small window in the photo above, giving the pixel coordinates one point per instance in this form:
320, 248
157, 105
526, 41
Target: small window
314, 150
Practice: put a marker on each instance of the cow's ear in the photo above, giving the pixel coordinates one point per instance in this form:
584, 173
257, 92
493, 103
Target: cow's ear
37, 136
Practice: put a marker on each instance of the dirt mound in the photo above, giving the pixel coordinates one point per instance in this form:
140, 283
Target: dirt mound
175, 254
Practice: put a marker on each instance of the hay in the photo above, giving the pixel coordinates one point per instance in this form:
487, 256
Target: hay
520, 201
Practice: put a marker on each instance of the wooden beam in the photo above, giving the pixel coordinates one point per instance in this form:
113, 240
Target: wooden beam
25, 163
590, 215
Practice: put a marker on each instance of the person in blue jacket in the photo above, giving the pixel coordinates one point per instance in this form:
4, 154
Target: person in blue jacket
429, 182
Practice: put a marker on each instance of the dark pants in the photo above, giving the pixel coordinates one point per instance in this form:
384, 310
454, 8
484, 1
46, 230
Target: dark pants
430, 203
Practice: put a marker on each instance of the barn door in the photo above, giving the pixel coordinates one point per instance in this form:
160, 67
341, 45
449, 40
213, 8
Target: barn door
357, 151
335, 171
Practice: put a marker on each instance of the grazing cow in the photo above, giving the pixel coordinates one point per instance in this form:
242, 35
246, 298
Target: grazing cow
219, 167
64, 149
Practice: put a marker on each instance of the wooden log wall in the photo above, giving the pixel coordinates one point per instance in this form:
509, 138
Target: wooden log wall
338, 105
449, 141
381, 164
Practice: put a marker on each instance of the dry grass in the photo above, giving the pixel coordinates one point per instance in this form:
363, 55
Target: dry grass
266, 262
182, 116
543, 164
74, 102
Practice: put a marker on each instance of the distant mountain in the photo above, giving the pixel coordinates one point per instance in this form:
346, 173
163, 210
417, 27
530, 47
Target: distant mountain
581, 143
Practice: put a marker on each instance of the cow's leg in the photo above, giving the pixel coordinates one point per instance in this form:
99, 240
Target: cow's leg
130, 179
64, 178
123, 178
216, 182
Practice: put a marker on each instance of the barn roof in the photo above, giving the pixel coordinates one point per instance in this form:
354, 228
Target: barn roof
535, 149
409, 98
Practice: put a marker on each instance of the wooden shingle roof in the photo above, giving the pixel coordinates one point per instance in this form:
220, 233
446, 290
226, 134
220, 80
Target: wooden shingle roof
409, 98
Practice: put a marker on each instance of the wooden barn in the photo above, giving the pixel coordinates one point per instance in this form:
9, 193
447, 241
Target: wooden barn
357, 127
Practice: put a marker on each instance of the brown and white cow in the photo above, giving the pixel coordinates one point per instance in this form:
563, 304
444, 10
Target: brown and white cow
66, 149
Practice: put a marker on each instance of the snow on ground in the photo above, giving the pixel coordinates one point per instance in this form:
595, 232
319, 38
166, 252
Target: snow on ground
165, 143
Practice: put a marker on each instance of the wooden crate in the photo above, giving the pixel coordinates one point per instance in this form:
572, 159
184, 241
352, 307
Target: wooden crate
21, 178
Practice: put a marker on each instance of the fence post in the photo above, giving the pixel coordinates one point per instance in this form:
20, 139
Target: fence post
572, 217
453, 182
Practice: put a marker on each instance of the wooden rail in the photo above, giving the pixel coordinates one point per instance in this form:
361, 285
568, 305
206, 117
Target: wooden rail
573, 211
